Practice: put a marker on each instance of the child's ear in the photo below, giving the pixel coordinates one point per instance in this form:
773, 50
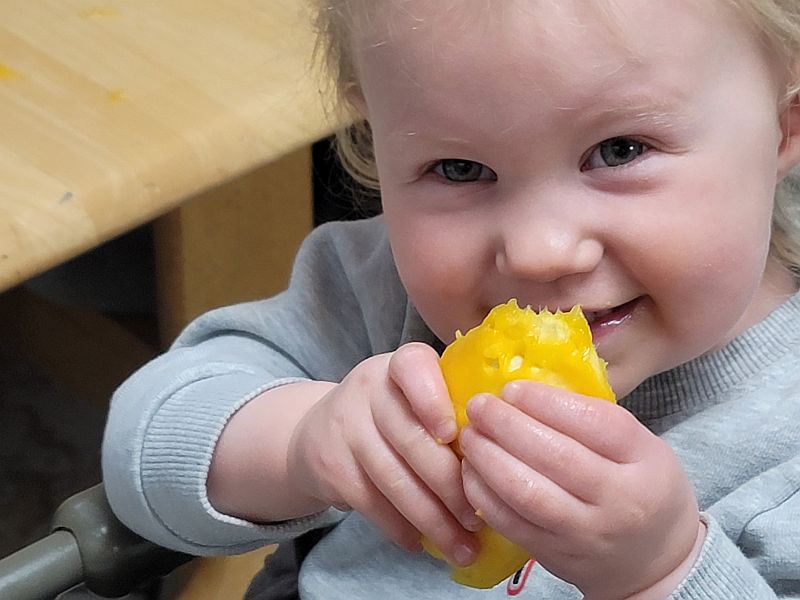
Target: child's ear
355, 97
789, 150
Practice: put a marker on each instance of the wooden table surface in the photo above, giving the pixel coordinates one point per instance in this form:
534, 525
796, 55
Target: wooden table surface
113, 112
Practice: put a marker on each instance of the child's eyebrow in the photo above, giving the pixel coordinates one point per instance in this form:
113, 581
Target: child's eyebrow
648, 109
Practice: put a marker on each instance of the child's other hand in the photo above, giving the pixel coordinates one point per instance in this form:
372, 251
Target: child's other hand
368, 445
595, 497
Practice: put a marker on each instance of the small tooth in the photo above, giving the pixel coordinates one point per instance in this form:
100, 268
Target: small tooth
515, 363
591, 317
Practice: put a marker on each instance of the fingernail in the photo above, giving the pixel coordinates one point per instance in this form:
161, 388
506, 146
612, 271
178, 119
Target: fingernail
464, 555
446, 430
476, 403
511, 392
472, 522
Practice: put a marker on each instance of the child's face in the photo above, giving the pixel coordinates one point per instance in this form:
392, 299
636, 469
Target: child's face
550, 153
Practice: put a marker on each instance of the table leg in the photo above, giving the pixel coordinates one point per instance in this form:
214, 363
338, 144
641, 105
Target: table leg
233, 243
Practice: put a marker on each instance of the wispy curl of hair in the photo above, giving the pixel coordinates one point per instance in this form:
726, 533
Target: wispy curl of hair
334, 21
778, 22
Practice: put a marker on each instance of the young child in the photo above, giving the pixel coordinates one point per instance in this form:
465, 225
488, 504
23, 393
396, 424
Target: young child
623, 156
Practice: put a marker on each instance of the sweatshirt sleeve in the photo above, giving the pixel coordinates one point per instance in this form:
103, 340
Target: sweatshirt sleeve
752, 550
165, 420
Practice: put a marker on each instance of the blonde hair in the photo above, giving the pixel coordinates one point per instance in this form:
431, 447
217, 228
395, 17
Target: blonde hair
776, 21
334, 20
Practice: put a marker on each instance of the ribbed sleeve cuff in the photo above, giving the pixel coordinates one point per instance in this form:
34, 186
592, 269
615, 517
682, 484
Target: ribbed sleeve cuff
176, 458
722, 572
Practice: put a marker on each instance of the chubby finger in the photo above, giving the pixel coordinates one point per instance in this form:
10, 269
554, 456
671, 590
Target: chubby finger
604, 427
531, 495
435, 464
365, 498
414, 368
563, 460
417, 503
500, 516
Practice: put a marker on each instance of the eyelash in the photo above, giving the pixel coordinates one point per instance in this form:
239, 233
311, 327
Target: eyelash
439, 167
643, 148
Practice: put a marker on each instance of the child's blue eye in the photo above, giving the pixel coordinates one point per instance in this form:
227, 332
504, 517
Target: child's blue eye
614, 152
463, 171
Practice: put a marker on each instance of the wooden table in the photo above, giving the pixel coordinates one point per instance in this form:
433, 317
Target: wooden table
115, 112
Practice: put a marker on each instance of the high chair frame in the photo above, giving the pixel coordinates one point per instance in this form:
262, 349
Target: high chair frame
88, 544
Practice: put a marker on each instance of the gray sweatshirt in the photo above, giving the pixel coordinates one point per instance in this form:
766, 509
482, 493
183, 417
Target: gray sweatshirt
732, 417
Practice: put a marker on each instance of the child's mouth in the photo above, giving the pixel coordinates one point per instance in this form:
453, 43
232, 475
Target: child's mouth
602, 321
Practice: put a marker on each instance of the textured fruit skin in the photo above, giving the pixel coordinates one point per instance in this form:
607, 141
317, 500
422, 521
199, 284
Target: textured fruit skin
517, 343
498, 559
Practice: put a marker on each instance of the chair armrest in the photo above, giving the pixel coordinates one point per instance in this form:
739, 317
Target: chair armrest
90, 545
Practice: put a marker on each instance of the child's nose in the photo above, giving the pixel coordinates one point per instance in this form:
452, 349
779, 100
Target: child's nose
546, 247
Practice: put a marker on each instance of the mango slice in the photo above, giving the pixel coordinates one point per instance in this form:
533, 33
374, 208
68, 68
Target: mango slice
516, 343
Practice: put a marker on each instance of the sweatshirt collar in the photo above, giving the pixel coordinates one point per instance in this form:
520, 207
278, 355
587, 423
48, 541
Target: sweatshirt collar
711, 378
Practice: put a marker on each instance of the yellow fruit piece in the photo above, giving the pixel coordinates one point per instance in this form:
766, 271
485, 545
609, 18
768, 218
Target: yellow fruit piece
498, 559
517, 343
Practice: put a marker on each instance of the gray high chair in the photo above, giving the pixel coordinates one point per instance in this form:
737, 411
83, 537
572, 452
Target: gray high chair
87, 545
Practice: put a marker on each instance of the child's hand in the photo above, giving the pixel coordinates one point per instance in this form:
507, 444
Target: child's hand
367, 445
595, 497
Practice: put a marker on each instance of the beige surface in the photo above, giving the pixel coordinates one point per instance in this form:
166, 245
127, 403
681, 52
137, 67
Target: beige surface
220, 578
234, 243
114, 112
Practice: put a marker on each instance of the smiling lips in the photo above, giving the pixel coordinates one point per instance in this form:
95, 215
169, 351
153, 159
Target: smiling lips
600, 320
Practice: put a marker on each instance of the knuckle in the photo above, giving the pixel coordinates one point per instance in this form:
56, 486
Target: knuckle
408, 442
407, 538
338, 474
664, 454
445, 535
499, 520
453, 495
629, 427
636, 517
331, 468
396, 483
399, 361
371, 367
502, 417
594, 415
411, 363
594, 486
411, 353
472, 490
561, 456
600, 415
361, 376
394, 526
638, 513
526, 495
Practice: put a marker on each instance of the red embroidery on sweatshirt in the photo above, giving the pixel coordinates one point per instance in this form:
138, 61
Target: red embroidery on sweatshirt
517, 582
